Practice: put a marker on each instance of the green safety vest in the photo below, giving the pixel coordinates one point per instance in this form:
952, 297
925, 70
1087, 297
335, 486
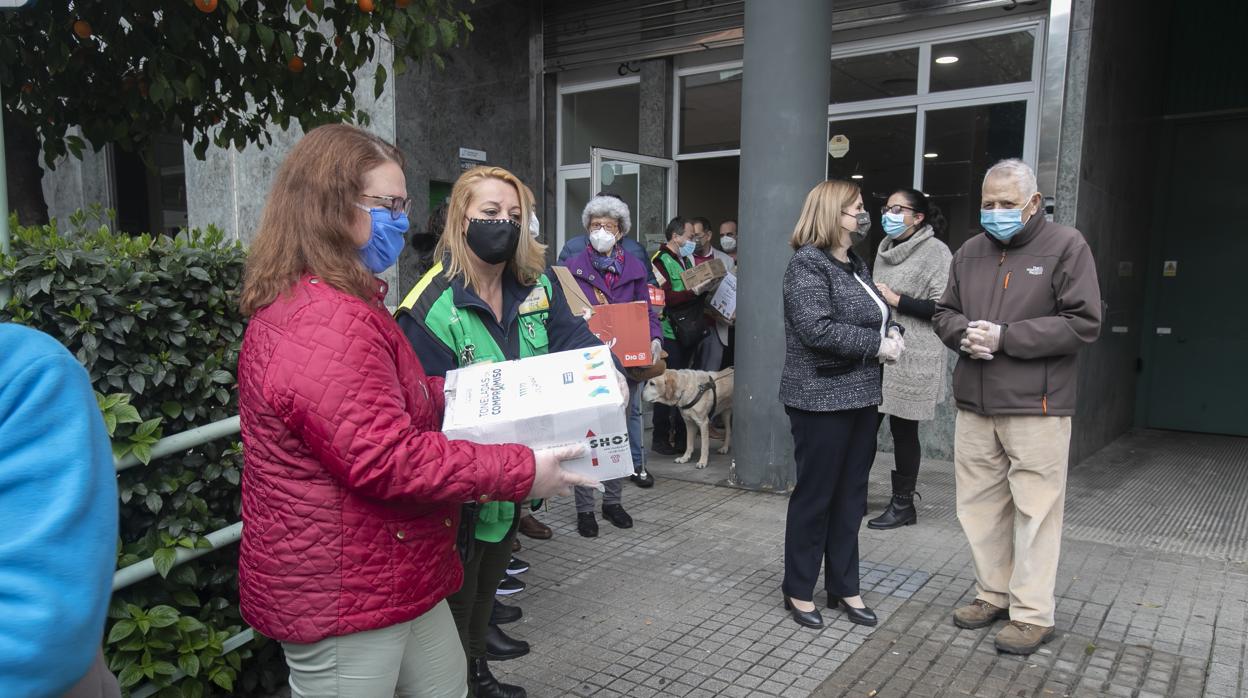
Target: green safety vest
671, 269
432, 302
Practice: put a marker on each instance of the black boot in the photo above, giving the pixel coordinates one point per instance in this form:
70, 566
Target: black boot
900, 511
483, 684
499, 646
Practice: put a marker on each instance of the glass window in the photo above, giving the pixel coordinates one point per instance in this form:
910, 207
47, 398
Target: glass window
890, 74
600, 118
575, 196
710, 111
959, 145
879, 158
988, 60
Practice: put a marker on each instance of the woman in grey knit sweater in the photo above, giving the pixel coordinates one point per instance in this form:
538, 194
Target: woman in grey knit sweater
911, 271
837, 332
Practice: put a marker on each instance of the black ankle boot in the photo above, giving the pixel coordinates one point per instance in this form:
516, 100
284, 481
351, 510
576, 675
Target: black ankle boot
900, 511
484, 685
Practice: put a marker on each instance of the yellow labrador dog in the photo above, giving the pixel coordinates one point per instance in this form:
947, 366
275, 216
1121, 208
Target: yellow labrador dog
701, 396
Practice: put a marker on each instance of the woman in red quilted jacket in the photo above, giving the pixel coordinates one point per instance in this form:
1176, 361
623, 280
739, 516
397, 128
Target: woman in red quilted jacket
351, 495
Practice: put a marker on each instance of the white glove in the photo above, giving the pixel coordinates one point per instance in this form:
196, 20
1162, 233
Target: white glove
985, 334
975, 351
656, 350
890, 350
619, 377
550, 479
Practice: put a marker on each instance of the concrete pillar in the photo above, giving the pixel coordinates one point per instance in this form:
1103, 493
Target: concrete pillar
654, 134
784, 118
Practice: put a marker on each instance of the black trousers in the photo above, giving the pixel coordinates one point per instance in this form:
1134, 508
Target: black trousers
834, 451
472, 604
906, 449
669, 426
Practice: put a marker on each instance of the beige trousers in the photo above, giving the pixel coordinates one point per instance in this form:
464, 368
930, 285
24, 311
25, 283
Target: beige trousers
1011, 489
422, 657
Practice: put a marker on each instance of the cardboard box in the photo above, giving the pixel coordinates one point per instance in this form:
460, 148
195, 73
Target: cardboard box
724, 302
569, 397
625, 329
712, 270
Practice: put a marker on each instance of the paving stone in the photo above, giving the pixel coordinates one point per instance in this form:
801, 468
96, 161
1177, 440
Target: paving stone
685, 604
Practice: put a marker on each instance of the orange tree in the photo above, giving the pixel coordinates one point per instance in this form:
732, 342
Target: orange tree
219, 72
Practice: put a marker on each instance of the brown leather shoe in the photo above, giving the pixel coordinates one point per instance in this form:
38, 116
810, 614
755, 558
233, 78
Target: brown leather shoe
1022, 638
979, 614
515, 545
533, 528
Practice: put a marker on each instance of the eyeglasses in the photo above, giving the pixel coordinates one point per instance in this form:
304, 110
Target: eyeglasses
396, 205
895, 209
609, 227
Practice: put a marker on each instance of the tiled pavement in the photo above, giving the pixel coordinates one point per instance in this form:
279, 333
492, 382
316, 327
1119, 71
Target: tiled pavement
687, 603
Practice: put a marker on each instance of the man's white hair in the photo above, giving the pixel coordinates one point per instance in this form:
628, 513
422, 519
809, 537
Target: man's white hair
607, 207
1022, 174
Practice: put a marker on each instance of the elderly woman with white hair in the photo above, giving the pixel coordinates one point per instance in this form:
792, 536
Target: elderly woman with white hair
606, 274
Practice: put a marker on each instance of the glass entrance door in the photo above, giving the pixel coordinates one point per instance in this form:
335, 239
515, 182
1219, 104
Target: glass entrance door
876, 152
959, 145
647, 184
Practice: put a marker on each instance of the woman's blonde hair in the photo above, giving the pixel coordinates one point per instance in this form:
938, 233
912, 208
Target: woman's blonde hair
306, 224
820, 222
530, 258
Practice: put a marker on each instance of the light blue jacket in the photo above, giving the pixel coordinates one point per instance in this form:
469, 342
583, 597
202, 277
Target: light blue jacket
58, 516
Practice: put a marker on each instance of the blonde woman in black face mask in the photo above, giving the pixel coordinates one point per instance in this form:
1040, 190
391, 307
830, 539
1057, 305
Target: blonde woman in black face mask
837, 333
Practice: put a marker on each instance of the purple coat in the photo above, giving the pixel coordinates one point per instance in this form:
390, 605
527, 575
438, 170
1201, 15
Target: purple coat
631, 286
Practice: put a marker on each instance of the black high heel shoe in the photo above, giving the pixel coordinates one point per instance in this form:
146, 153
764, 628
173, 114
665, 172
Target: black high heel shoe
809, 619
860, 616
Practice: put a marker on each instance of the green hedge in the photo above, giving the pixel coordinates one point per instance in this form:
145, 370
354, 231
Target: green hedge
155, 321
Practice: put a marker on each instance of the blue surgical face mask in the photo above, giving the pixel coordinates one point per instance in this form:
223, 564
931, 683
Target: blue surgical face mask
1001, 223
686, 250
894, 224
386, 240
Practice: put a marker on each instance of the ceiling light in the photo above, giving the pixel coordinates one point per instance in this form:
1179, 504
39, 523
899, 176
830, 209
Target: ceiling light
855, 176
946, 60
929, 156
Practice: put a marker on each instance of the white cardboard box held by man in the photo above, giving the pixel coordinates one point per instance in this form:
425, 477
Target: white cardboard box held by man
566, 398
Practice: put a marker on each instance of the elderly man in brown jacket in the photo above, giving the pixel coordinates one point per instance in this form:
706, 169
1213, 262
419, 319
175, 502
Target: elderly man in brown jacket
1021, 301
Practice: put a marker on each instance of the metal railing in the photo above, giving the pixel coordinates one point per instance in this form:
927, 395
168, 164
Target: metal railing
132, 574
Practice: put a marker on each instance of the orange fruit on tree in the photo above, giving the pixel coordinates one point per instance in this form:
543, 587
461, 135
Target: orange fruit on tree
81, 29
206, 6
27, 88
402, 4
295, 65
367, 5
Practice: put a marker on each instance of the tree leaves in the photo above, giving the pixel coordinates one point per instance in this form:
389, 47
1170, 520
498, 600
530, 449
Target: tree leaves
222, 77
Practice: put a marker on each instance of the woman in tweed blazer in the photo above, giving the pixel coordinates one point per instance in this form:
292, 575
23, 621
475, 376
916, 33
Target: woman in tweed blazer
837, 332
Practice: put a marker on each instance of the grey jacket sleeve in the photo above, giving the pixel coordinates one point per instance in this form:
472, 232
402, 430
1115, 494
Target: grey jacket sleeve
1078, 318
808, 305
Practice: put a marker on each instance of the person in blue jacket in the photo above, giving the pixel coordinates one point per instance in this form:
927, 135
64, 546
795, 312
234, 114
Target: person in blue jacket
58, 509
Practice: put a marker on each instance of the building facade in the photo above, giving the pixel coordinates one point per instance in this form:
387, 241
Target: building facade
1129, 115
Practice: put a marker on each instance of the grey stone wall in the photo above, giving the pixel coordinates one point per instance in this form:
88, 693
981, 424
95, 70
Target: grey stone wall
77, 184
1107, 160
483, 99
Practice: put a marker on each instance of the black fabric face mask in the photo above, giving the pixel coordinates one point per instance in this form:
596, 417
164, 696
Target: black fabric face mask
493, 241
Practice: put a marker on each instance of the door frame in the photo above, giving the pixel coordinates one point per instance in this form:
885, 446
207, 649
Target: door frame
597, 155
